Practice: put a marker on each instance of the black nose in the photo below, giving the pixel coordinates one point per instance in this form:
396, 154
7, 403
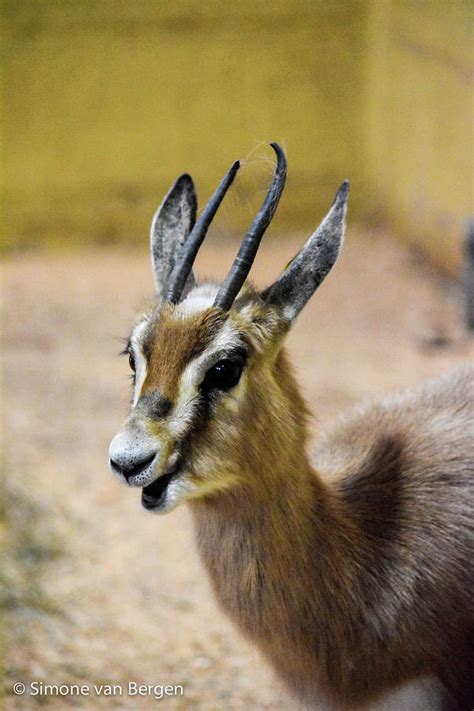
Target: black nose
133, 468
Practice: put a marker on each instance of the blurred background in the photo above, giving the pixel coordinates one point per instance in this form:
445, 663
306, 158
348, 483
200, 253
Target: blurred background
107, 101
104, 104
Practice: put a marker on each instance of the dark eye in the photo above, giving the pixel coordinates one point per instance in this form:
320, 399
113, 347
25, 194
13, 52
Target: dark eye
131, 361
224, 375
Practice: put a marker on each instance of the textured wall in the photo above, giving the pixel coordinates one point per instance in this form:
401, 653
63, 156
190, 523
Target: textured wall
107, 102
420, 138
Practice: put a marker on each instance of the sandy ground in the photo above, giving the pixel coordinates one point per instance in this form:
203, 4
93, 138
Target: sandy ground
99, 591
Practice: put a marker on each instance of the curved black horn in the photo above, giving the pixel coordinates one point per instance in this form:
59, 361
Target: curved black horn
195, 238
248, 249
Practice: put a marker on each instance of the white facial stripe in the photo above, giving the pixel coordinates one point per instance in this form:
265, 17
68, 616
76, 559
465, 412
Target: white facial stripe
184, 409
140, 360
226, 339
224, 342
177, 489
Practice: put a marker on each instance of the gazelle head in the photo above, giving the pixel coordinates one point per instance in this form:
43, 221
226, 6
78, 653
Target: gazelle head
209, 370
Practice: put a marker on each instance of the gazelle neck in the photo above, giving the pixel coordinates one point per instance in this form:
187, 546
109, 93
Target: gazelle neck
294, 560
278, 535
271, 522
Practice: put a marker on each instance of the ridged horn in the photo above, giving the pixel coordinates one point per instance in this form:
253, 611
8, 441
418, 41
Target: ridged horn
190, 248
248, 249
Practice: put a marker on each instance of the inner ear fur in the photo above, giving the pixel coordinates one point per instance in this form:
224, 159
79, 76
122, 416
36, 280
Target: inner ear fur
170, 227
292, 290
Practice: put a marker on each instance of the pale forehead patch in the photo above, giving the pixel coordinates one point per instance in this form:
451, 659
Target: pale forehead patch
198, 299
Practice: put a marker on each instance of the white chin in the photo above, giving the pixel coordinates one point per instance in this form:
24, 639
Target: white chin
166, 497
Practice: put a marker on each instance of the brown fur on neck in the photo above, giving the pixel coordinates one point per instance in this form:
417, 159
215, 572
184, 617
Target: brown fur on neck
311, 569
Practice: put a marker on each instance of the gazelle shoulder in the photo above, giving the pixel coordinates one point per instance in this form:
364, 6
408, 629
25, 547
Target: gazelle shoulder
425, 425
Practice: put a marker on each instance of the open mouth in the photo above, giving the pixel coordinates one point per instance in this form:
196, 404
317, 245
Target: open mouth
154, 495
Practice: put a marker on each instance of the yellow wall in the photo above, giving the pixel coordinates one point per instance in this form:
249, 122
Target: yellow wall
106, 102
421, 121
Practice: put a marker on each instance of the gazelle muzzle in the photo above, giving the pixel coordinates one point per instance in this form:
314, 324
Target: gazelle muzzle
133, 456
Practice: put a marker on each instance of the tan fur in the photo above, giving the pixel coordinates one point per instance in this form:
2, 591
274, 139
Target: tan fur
352, 571
353, 576
171, 343
339, 610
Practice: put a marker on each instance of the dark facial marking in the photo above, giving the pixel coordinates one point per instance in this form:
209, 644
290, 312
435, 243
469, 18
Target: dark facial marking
155, 404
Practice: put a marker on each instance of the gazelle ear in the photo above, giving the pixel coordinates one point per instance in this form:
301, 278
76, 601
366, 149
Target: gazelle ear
313, 262
170, 227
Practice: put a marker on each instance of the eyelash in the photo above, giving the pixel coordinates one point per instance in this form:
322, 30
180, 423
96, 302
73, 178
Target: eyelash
127, 351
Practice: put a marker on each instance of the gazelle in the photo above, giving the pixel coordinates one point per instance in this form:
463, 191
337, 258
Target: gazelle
353, 573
